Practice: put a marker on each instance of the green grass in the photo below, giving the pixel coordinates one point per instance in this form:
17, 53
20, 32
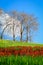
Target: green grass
21, 60
8, 43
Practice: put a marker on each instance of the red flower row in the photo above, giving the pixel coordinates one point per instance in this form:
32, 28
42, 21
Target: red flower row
22, 50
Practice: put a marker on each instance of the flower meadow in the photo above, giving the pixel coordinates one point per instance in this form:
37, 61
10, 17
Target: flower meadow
22, 50
21, 55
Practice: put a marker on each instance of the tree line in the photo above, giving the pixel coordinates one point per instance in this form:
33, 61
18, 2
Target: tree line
28, 24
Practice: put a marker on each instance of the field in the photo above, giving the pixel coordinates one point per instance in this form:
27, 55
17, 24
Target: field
20, 53
21, 60
7, 43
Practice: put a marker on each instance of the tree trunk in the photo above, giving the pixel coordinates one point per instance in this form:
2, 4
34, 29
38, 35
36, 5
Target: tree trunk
21, 33
30, 37
13, 32
27, 34
21, 37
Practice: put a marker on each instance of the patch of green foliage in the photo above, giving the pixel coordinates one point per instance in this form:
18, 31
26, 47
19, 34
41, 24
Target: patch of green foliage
21, 60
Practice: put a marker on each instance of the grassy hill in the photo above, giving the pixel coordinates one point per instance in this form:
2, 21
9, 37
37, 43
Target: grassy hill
8, 43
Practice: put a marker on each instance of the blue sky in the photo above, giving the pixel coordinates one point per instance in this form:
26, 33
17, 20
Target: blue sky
28, 6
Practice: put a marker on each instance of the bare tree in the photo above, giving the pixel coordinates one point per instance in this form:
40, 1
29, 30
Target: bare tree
0, 21
10, 24
32, 26
24, 19
15, 16
0, 28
